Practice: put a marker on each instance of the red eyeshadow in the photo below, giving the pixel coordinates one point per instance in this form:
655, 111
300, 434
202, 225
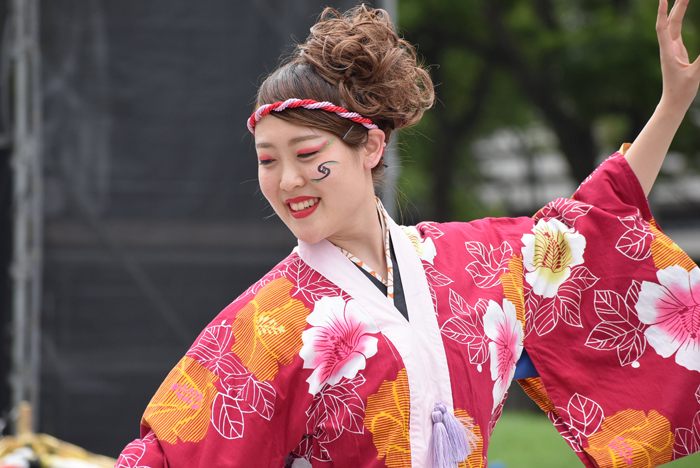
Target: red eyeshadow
311, 150
264, 157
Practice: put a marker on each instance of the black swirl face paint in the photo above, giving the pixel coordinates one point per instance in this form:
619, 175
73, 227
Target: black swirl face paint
323, 169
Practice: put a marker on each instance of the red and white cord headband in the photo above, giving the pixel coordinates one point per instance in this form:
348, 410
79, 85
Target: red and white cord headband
307, 104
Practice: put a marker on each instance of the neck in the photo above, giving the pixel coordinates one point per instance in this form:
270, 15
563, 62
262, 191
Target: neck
365, 240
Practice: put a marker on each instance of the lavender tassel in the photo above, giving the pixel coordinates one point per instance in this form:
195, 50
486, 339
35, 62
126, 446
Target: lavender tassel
440, 442
452, 440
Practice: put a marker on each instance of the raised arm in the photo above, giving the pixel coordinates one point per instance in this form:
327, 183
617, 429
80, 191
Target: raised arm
681, 79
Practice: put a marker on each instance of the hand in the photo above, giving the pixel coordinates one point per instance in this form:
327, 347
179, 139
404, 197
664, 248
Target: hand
680, 77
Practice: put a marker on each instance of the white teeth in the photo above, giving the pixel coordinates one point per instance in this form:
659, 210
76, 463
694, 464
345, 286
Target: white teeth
303, 205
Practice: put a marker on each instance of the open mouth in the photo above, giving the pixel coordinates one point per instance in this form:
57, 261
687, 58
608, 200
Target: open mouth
302, 207
305, 205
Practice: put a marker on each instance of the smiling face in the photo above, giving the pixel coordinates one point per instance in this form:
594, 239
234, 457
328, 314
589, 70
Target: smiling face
319, 186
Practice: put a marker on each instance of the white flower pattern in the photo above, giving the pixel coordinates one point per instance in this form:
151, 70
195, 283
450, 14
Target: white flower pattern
549, 254
425, 247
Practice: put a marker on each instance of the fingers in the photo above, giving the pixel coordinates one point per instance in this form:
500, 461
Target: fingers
675, 20
662, 16
662, 23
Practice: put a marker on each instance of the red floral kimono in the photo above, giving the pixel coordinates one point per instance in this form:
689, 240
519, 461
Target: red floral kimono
314, 366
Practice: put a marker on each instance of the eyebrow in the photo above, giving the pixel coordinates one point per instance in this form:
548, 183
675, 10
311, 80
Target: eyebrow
264, 144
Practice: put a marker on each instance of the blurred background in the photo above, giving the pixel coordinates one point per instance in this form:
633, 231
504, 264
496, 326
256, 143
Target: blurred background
129, 207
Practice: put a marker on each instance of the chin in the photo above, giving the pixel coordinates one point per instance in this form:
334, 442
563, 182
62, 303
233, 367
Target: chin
308, 238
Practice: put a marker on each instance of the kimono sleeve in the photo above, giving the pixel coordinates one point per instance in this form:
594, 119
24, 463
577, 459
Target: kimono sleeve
238, 396
613, 325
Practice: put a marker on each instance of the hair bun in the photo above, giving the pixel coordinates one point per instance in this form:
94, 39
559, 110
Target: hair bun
376, 73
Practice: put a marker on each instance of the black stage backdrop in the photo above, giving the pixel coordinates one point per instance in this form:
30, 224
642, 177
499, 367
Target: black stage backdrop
154, 221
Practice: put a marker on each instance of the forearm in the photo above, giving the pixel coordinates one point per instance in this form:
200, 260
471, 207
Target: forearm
647, 153
680, 86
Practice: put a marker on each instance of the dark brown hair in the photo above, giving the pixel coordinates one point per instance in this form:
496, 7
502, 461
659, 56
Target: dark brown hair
354, 60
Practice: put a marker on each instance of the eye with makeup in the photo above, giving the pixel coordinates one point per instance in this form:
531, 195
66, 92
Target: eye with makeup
264, 160
308, 152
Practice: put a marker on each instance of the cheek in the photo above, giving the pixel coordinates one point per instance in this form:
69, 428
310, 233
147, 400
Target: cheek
267, 185
336, 172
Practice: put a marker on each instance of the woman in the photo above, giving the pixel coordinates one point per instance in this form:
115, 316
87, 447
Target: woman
404, 358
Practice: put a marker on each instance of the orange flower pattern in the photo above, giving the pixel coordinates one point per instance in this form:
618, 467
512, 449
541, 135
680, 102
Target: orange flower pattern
534, 388
665, 252
512, 282
181, 408
631, 439
268, 329
387, 418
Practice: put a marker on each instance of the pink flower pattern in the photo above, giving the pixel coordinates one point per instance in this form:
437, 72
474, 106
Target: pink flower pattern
506, 332
339, 343
672, 309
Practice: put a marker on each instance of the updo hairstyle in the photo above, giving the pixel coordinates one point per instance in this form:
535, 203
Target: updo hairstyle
354, 60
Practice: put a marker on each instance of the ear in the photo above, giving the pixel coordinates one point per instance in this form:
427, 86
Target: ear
374, 149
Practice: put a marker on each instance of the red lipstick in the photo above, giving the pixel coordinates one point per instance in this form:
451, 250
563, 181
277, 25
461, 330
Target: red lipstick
301, 213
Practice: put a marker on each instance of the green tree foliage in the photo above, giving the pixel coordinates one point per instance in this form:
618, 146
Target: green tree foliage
587, 69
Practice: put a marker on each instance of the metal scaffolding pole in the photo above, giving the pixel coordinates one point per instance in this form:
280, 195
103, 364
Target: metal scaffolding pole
27, 206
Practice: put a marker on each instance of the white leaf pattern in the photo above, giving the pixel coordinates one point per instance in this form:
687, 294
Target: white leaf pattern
433, 296
310, 284
542, 314
336, 409
437, 279
131, 455
687, 440
321, 453
235, 384
258, 397
460, 307
620, 328
226, 417
635, 243
586, 416
632, 296
564, 431
532, 304
467, 327
305, 447
568, 297
610, 306
150, 437
565, 210
213, 351
430, 228
490, 263
569, 301
685, 443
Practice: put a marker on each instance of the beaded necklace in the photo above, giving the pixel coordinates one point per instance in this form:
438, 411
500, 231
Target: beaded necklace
389, 281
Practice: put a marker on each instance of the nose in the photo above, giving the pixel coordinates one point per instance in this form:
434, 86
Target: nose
291, 178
